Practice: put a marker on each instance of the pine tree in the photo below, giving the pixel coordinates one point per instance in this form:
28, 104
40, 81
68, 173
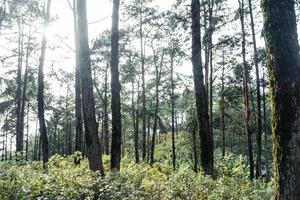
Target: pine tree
282, 50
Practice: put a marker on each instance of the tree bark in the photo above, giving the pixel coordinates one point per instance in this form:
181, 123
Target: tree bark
258, 96
27, 134
105, 122
265, 119
246, 90
78, 100
222, 106
19, 129
10, 147
34, 153
40, 98
91, 129
194, 134
148, 139
136, 128
282, 50
173, 110
115, 90
144, 142
200, 92
68, 147
158, 70
210, 48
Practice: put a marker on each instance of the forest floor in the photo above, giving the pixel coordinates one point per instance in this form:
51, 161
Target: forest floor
64, 180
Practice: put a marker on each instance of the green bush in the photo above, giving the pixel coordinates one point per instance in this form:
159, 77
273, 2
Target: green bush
64, 180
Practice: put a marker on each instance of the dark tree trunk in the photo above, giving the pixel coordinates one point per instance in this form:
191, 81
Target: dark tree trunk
253, 105
27, 134
210, 47
67, 126
158, 70
136, 128
40, 98
205, 44
133, 119
258, 97
55, 135
105, 120
3, 147
34, 153
58, 142
173, 110
246, 90
194, 138
222, 107
284, 71
144, 142
78, 101
200, 92
39, 148
116, 139
91, 129
10, 147
148, 139
19, 129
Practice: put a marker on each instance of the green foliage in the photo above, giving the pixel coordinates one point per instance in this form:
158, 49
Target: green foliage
62, 179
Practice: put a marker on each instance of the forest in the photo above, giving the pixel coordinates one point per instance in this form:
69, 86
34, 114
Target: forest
149, 99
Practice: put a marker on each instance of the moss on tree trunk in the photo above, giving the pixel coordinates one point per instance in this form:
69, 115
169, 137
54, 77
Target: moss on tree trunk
284, 70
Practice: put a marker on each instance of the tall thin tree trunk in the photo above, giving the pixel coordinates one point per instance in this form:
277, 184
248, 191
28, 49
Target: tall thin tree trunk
10, 147
34, 153
246, 90
27, 134
39, 147
91, 129
158, 70
258, 97
116, 139
78, 101
105, 121
67, 132
222, 106
19, 129
200, 92
148, 139
210, 48
3, 147
144, 151
136, 128
133, 114
40, 98
194, 138
282, 49
173, 110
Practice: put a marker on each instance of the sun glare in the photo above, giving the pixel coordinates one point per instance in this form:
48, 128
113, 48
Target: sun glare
50, 32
